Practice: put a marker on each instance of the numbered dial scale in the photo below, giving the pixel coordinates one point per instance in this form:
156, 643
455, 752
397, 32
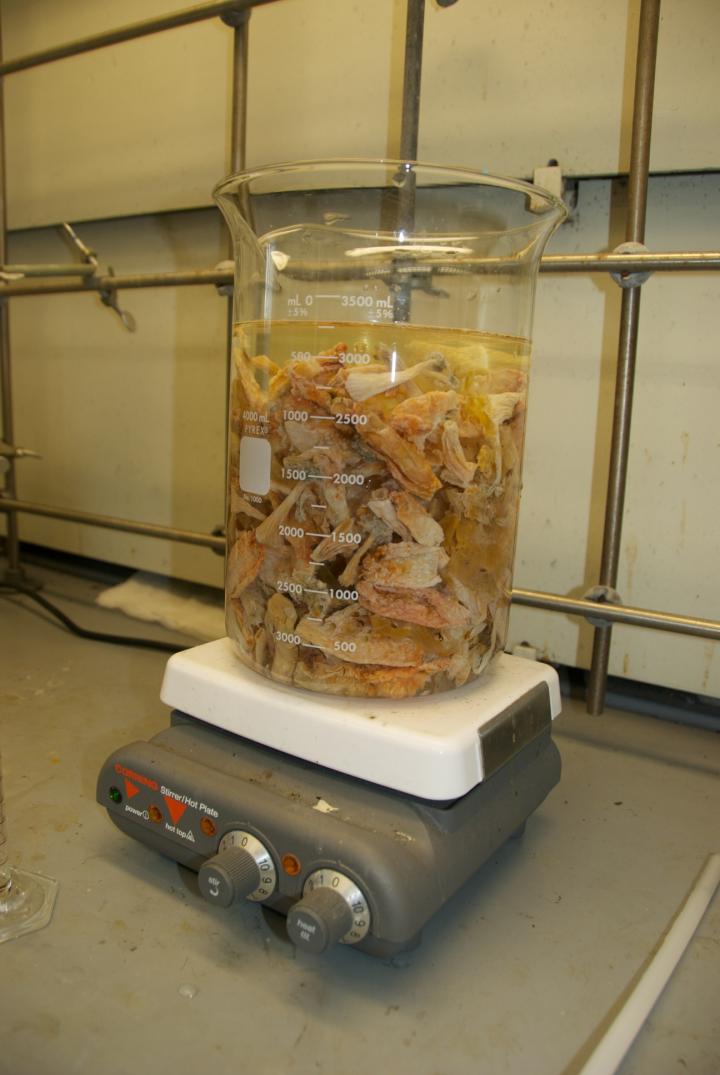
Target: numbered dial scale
357, 830
333, 908
242, 868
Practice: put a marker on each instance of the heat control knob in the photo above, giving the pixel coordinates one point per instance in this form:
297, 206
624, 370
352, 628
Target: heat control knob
332, 909
242, 869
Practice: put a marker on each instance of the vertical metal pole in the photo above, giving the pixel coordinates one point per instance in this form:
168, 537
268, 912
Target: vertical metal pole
12, 544
239, 21
4, 871
410, 123
412, 72
629, 318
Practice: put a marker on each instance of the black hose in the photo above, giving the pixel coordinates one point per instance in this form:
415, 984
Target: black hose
83, 632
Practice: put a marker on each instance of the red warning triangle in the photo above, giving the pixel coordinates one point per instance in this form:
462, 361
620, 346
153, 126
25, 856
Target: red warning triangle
130, 789
175, 809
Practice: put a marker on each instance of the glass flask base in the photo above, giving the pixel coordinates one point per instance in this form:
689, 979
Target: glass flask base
26, 903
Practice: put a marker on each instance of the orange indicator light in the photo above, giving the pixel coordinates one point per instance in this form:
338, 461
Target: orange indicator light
155, 813
208, 827
291, 865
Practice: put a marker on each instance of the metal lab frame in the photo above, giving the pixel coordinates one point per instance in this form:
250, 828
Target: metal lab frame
236, 13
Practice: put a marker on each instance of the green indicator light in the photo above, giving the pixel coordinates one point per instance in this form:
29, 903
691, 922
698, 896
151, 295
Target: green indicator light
116, 795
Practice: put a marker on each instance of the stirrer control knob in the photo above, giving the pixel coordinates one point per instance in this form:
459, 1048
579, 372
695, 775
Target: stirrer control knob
242, 869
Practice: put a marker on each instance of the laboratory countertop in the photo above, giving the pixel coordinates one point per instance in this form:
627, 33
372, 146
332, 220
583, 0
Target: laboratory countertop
515, 976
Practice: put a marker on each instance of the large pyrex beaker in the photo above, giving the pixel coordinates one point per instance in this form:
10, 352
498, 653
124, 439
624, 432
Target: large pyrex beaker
382, 315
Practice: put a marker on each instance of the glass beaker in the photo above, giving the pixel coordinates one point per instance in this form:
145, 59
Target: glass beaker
381, 342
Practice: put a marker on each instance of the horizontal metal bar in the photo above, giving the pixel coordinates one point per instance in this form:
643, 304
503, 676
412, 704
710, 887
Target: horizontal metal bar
73, 269
556, 263
110, 522
635, 617
128, 33
622, 263
112, 283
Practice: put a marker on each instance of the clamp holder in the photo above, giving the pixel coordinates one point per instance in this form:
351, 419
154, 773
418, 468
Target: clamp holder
602, 595
225, 290
631, 279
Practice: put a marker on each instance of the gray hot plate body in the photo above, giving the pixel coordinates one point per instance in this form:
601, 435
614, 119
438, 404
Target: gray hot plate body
192, 784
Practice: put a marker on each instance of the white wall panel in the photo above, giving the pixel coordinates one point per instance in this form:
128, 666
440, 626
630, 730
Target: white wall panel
671, 533
508, 86
135, 127
129, 424
142, 126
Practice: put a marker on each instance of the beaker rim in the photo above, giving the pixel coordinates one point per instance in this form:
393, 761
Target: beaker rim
547, 207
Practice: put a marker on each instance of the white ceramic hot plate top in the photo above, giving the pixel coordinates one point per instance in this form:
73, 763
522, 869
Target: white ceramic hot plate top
428, 747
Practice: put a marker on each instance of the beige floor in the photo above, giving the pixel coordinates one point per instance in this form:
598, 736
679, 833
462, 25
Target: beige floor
134, 973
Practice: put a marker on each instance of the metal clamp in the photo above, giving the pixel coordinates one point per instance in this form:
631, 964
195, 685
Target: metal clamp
603, 595
89, 256
12, 451
226, 290
108, 297
9, 273
7, 276
631, 279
